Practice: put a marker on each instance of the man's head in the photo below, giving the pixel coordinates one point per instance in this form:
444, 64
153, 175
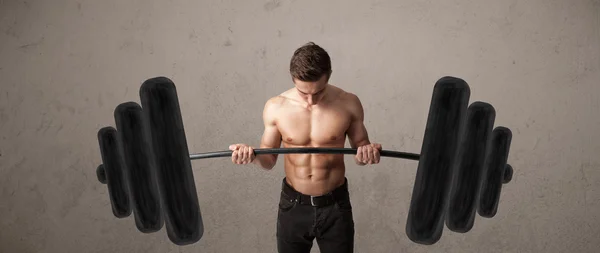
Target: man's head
310, 68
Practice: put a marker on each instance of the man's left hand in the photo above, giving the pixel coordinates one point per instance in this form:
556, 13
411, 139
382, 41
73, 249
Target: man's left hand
368, 154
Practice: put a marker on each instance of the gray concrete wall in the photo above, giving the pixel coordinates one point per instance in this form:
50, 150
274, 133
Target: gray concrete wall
65, 66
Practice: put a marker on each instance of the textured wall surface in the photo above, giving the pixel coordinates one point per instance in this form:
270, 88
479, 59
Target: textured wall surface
66, 65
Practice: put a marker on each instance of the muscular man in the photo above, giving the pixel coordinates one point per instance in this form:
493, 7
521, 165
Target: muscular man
314, 199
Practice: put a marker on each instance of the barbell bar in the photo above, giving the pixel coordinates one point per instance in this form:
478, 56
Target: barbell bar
265, 151
262, 151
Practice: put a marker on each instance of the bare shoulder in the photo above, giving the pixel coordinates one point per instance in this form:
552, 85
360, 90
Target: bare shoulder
350, 102
272, 108
351, 99
286, 95
274, 103
348, 99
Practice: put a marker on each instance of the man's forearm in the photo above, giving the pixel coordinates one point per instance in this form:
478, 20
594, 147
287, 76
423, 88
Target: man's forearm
266, 162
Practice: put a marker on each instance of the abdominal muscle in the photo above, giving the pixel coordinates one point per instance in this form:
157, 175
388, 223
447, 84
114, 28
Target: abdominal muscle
314, 174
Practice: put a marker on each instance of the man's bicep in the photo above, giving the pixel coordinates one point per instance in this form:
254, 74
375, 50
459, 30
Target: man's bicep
357, 132
271, 136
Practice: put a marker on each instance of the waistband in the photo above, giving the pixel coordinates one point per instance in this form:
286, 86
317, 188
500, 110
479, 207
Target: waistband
341, 192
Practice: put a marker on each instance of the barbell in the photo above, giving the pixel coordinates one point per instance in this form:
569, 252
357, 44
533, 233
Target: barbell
147, 168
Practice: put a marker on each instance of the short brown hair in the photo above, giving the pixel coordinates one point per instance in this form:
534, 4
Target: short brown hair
310, 62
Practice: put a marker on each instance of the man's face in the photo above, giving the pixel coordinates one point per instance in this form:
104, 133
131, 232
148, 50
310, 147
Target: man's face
311, 92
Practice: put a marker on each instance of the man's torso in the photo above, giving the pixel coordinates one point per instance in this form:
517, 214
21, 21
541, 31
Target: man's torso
321, 125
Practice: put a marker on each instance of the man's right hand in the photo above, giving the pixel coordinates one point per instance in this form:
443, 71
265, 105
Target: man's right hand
242, 154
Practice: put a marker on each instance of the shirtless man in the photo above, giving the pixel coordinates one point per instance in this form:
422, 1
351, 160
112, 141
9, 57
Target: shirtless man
314, 201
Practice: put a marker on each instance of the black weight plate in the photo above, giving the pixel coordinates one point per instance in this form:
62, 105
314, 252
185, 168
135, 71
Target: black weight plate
466, 182
447, 112
138, 159
495, 168
114, 169
174, 171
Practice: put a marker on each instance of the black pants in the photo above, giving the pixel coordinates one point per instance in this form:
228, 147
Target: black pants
302, 219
